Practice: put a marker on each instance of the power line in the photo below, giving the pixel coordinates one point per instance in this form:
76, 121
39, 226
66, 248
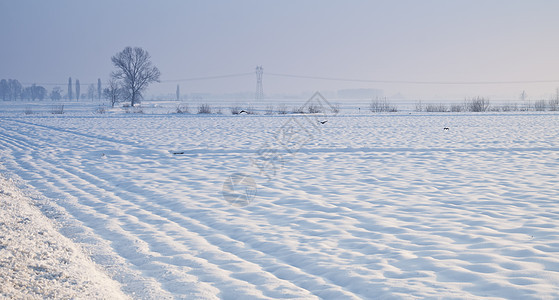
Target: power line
51, 84
413, 82
339, 79
208, 77
163, 81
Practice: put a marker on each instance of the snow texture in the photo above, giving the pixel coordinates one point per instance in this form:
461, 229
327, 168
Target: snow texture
374, 206
36, 261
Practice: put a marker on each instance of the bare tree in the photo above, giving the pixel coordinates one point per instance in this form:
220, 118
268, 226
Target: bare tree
523, 96
56, 94
441, 107
418, 106
456, 107
381, 105
477, 104
15, 89
91, 91
99, 89
41, 92
178, 93
35, 92
4, 89
135, 71
554, 102
540, 105
26, 93
113, 92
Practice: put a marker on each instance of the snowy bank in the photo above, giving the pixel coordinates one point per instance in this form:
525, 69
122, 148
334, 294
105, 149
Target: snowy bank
36, 261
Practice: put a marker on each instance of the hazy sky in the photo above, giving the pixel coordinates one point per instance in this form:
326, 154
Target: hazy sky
425, 41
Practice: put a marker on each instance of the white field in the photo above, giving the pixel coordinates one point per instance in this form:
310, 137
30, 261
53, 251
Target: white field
370, 206
37, 262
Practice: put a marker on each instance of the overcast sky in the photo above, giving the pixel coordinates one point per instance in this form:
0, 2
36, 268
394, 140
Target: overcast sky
420, 41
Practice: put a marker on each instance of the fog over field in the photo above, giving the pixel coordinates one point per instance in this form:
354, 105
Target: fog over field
390, 43
279, 149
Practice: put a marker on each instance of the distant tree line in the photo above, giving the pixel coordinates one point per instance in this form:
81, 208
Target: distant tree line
133, 73
10, 89
13, 90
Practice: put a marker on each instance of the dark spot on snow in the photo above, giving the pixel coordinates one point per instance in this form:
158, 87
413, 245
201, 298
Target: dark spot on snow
38, 269
24, 220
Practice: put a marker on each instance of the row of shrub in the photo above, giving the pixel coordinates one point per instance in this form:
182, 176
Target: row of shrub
381, 105
480, 104
201, 109
281, 109
476, 104
57, 109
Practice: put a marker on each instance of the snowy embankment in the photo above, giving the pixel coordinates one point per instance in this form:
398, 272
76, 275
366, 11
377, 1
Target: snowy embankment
36, 261
368, 206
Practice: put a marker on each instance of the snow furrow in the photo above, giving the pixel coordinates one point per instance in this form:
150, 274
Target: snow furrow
372, 208
77, 205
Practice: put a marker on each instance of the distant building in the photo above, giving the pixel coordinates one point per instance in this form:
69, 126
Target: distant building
360, 93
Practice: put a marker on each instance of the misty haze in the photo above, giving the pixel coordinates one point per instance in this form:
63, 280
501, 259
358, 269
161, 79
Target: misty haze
279, 149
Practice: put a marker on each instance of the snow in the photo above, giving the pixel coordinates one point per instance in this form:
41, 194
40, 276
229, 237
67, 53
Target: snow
368, 206
37, 261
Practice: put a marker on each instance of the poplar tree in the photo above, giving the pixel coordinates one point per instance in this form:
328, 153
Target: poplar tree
70, 88
77, 90
98, 88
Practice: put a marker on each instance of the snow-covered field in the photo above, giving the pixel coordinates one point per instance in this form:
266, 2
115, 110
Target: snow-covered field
36, 261
364, 206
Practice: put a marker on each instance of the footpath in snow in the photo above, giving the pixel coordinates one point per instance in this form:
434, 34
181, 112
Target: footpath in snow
36, 261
